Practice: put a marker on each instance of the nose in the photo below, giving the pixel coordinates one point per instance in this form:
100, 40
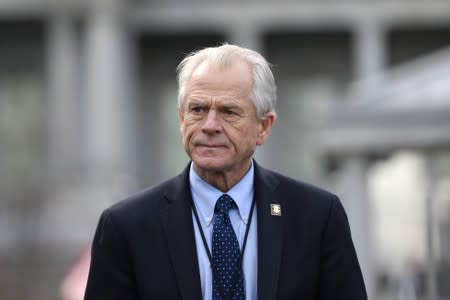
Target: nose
212, 123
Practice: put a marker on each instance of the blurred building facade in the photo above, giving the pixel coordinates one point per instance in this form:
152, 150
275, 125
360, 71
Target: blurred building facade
88, 115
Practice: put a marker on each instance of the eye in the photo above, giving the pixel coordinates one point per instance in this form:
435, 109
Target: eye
197, 109
229, 112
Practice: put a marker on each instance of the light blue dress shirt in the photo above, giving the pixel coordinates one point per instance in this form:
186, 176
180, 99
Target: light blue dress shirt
205, 196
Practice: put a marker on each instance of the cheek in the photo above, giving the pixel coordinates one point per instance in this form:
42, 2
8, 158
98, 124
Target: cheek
186, 134
242, 137
187, 131
247, 130
184, 129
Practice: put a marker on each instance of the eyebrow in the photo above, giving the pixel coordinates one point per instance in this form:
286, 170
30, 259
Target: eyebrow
230, 106
227, 104
195, 102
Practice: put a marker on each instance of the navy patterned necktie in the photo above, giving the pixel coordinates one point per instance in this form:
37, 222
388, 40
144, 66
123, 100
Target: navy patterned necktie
225, 254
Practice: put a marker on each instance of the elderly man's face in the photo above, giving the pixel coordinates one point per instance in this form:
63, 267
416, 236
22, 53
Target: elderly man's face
218, 120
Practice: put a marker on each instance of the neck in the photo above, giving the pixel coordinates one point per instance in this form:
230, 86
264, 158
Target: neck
223, 180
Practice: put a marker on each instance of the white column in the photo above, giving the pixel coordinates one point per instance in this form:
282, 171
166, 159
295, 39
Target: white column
370, 49
369, 61
63, 100
105, 91
354, 196
64, 136
109, 105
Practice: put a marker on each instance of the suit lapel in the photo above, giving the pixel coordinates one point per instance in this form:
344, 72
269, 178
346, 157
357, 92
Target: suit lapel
269, 234
178, 227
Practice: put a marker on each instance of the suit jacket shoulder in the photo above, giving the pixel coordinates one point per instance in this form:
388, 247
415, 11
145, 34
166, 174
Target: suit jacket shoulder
308, 245
139, 240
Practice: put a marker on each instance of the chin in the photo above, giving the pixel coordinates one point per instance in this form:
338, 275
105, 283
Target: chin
210, 164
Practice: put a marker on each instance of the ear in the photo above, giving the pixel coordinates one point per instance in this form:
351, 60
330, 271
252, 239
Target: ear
264, 127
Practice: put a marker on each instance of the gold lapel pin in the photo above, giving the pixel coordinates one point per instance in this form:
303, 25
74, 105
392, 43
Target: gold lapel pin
275, 210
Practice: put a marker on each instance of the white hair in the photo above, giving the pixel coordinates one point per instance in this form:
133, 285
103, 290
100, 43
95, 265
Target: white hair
264, 88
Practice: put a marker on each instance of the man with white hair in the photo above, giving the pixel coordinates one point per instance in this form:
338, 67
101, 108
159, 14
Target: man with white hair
225, 228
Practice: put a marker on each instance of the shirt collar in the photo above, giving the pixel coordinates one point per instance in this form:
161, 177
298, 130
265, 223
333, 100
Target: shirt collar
205, 195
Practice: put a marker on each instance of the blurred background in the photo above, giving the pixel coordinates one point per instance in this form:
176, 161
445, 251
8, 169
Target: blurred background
88, 115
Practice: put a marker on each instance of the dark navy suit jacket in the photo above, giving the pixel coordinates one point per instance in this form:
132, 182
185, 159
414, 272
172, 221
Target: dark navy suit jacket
144, 247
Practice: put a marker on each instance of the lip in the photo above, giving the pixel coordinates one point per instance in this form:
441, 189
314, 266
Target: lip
210, 145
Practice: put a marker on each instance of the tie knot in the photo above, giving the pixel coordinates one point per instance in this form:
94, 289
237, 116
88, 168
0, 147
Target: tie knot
223, 204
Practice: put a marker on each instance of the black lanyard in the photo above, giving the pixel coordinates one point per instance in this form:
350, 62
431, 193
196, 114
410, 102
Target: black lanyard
208, 252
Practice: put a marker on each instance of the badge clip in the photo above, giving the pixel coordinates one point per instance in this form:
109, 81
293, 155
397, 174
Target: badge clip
275, 210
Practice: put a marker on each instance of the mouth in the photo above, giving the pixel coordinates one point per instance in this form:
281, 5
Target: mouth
210, 146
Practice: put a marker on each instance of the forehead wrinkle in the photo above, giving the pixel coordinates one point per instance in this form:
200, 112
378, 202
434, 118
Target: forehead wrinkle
207, 85
206, 82
220, 94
